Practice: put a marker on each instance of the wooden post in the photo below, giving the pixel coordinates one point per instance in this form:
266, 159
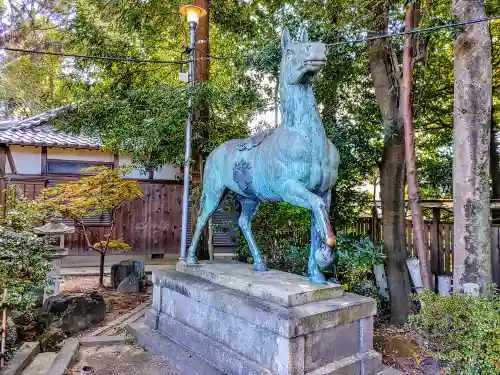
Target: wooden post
436, 254
43, 166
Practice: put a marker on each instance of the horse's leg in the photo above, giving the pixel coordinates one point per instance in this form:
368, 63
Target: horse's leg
211, 198
248, 210
313, 270
297, 194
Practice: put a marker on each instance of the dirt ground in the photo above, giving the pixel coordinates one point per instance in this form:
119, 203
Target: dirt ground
117, 304
400, 349
122, 360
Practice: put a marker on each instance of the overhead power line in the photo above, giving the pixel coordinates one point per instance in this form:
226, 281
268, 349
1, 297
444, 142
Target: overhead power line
415, 31
92, 57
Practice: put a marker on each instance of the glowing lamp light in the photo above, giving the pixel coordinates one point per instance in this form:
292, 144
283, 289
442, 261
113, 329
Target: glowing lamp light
193, 13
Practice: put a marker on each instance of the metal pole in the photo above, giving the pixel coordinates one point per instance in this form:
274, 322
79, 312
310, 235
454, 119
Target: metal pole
187, 161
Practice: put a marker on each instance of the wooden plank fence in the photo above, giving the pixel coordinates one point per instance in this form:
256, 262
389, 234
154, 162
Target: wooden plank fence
439, 239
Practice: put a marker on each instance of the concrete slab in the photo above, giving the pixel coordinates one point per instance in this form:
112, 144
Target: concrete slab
94, 271
283, 288
181, 358
40, 364
65, 357
102, 340
22, 358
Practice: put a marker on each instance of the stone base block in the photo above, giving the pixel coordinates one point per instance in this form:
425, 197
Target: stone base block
242, 334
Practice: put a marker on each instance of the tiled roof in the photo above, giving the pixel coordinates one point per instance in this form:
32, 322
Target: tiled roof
38, 131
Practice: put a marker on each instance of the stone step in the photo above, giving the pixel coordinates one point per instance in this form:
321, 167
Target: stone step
283, 288
40, 364
362, 363
183, 359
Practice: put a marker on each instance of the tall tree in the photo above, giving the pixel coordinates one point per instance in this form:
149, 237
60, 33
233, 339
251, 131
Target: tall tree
411, 55
471, 149
386, 73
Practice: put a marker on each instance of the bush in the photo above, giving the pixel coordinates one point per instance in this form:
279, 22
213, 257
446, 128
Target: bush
24, 267
462, 330
283, 234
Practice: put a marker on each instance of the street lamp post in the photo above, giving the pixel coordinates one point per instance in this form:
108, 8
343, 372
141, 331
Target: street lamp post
193, 14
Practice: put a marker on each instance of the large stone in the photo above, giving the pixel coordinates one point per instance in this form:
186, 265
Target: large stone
301, 333
73, 313
122, 270
130, 284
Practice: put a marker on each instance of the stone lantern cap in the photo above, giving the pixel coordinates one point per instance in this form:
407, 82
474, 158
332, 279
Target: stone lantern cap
54, 226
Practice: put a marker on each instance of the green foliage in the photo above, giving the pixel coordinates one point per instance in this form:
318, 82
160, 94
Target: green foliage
355, 256
149, 123
21, 213
463, 330
283, 234
356, 251
24, 261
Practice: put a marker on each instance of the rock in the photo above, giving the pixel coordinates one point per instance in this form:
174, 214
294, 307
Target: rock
126, 268
51, 339
74, 313
130, 284
18, 317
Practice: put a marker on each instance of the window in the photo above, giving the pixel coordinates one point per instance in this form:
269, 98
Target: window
72, 167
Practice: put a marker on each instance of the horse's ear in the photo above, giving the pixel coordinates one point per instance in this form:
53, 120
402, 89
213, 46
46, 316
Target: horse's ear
285, 40
304, 37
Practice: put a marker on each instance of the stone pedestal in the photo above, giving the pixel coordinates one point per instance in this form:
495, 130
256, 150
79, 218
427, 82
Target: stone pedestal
54, 275
249, 323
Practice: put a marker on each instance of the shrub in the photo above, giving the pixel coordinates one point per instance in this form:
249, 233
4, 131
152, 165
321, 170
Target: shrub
462, 330
24, 267
283, 233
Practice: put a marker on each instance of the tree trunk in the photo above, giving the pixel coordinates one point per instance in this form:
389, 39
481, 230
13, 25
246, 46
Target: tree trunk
385, 74
101, 268
392, 183
411, 165
471, 149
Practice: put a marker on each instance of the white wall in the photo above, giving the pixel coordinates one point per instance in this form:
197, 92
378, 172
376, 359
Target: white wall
79, 154
125, 161
168, 172
27, 159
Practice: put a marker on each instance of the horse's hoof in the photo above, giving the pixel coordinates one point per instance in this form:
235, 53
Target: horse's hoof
317, 279
191, 261
259, 267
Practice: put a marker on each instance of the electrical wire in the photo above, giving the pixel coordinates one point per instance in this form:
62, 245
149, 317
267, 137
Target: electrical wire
414, 31
92, 57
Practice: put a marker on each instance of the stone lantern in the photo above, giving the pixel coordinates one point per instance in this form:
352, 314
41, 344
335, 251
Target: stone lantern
53, 233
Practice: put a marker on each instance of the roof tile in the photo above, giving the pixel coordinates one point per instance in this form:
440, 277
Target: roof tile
38, 131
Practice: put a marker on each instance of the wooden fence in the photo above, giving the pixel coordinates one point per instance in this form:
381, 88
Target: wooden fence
439, 239
150, 225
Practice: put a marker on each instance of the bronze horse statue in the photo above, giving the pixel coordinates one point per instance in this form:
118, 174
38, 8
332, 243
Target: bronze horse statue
295, 163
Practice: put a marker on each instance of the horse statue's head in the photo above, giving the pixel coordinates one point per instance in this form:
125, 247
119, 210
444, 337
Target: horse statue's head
301, 61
